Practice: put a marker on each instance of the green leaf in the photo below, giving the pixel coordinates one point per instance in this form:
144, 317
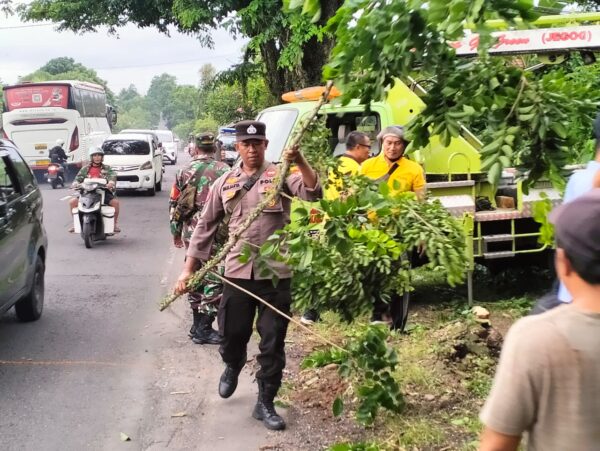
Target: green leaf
559, 129
338, 407
494, 173
505, 161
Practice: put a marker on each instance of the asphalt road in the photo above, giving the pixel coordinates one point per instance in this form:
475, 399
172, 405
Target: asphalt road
103, 360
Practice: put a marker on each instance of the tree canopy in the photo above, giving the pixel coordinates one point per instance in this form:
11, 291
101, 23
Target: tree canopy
65, 68
279, 35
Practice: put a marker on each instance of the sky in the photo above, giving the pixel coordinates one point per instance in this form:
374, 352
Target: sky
135, 56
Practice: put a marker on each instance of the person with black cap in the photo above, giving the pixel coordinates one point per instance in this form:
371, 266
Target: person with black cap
232, 197
187, 198
547, 384
392, 166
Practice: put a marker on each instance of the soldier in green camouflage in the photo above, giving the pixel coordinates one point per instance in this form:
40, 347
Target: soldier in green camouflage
187, 198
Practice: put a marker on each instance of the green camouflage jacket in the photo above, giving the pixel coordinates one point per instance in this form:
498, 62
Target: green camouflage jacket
106, 173
212, 171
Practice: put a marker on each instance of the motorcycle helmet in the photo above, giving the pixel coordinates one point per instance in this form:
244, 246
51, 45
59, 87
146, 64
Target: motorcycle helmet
60, 142
94, 150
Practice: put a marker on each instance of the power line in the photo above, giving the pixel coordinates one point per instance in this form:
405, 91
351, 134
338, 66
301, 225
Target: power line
195, 60
12, 27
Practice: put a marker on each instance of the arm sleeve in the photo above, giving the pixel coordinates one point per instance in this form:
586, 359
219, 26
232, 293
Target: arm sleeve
512, 404
175, 226
570, 189
204, 233
81, 175
419, 181
296, 187
111, 175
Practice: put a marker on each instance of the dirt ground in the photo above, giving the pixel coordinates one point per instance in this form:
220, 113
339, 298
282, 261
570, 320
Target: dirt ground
447, 361
445, 371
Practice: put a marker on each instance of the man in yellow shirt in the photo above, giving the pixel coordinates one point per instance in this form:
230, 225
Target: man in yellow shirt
358, 145
392, 166
401, 175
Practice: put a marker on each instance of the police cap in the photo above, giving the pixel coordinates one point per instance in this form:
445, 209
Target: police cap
250, 130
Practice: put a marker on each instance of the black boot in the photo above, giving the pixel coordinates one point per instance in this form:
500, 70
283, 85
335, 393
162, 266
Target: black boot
265, 409
205, 334
196, 316
229, 379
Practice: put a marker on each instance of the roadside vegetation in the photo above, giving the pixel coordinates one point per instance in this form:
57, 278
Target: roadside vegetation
445, 365
374, 389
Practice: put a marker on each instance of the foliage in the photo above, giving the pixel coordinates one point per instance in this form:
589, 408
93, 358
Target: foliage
368, 363
159, 98
361, 250
206, 124
540, 211
64, 68
135, 117
526, 115
279, 36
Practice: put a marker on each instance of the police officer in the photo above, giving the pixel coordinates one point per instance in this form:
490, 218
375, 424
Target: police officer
201, 172
239, 191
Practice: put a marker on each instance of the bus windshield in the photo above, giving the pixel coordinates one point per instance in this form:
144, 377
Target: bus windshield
126, 147
36, 96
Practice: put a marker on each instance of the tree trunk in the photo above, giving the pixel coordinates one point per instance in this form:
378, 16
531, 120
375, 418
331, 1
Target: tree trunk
315, 56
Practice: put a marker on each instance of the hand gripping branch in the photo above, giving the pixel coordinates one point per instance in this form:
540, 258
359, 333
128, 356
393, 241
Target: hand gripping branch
235, 236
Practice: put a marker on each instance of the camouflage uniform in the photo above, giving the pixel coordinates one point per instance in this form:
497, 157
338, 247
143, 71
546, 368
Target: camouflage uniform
106, 173
206, 300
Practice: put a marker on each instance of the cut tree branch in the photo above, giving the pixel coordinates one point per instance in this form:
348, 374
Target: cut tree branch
196, 279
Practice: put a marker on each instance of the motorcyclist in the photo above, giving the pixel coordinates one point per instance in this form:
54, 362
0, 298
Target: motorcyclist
96, 169
57, 154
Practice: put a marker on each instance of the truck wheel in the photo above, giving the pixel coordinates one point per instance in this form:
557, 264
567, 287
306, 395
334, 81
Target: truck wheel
30, 307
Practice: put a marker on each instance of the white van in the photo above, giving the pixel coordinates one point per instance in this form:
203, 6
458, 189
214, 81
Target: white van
169, 144
136, 159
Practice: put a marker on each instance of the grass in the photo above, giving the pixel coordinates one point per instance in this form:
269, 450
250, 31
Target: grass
443, 396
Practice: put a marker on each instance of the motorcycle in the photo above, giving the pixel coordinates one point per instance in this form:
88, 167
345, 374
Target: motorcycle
55, 175
93, 220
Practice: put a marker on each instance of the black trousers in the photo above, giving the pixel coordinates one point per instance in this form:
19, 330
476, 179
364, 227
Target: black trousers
236, 318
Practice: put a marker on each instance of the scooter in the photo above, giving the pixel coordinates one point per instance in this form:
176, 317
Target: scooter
93, 220
55, 175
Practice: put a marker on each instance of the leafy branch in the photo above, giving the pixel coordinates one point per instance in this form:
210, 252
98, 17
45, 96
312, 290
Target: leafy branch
196, 280
368, 365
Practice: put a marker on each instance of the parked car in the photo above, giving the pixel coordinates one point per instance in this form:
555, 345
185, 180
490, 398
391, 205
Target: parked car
23, 241
226, 138
169, 144
136, 159
166, 155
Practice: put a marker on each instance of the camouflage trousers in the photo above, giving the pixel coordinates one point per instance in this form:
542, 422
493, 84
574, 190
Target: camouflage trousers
208, 297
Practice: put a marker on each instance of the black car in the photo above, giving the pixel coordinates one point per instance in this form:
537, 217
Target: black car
23, 241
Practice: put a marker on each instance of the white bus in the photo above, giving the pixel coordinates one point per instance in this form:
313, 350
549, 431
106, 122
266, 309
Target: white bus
37, 114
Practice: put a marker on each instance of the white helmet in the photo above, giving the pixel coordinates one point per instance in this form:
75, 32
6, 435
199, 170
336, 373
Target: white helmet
60, 142
94, 150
